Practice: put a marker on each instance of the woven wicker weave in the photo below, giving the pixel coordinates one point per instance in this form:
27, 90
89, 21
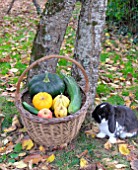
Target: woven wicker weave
56, 131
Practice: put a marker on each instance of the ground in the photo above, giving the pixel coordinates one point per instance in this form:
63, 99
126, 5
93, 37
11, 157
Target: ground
117, 84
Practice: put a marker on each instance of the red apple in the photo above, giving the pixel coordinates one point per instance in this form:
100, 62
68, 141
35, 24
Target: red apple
45, 113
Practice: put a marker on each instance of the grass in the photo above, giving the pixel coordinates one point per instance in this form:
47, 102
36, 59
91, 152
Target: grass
17, 44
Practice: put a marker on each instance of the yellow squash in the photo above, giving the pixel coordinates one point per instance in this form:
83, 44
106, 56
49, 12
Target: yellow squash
42, 100
60, 100
60, 111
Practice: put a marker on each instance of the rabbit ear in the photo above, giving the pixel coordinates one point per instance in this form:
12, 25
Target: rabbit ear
111, 119
95, 115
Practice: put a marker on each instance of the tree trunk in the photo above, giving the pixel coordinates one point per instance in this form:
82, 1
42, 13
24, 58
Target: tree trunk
88, 43
50, 33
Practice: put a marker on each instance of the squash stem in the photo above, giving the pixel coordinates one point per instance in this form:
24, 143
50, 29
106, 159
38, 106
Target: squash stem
46, 79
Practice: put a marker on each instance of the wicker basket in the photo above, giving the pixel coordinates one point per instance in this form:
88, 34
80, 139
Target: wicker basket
56, 131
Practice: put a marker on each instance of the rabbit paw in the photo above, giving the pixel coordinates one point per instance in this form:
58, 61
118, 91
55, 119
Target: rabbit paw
101, 135
112, 140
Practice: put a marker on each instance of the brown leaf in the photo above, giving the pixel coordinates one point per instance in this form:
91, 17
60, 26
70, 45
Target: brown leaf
2, 149
134, 164
127, 101
82, 154
36, 158
6, 59
108, 145
100, 166
89, 167
92, 132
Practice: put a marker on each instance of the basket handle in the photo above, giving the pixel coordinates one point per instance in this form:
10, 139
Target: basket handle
86, 89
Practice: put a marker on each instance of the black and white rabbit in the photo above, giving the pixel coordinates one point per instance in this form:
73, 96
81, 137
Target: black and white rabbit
115, 121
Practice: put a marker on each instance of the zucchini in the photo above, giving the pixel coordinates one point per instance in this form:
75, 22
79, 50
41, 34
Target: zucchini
30, 108
74, 93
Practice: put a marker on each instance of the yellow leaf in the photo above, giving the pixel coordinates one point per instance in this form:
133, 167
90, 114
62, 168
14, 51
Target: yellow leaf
123, 149
133, 107
83, 162
10, 129
107, 145
41, 148
51, 158
27, 144
107, 34
2, 149
93, 136
122, 78
20, 164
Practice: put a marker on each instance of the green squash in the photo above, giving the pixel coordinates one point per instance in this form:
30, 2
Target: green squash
46, 82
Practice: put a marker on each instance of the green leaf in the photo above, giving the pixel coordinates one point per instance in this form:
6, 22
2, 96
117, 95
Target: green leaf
11, 160
1, 160
18, 147
13, 155
4, 157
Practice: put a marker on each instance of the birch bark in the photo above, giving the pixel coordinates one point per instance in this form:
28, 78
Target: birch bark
88, 43
50, 33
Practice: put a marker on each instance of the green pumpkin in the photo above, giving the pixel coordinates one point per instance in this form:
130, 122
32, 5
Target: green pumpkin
46, 82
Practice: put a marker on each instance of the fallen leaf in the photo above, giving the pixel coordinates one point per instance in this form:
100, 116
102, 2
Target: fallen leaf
15, 121
10, 129
123, 149
51, 158
119, 166
127, 101
134, 164
90, 167
42, 149
83, 163
6, 59
30, 165
134, 143
108, 145
2, 149
92, 132
15, 124
22, 154
5, 141
82, 154
100, 166
27, 144
11, 89
14, 70
35, 158
20, 164
18, 147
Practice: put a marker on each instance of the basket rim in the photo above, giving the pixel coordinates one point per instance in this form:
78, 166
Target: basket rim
36, 119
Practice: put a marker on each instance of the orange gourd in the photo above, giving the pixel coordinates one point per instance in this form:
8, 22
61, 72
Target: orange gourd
42, 100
